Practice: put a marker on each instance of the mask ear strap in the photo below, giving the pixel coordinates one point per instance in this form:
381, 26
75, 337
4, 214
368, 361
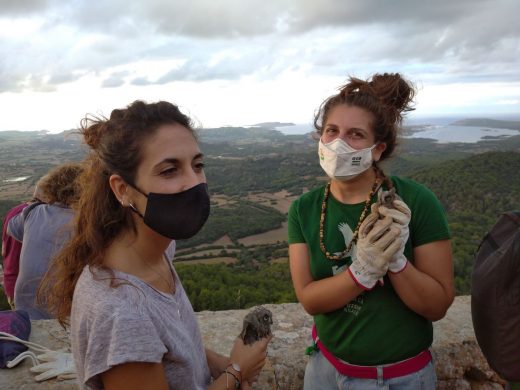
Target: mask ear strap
138, 190
132, 207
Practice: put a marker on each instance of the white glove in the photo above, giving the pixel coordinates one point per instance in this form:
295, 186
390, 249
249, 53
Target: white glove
377, 244
58, 364
400, 214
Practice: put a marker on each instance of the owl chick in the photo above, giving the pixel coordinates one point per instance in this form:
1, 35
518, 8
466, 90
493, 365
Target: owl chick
257, 324
384, 198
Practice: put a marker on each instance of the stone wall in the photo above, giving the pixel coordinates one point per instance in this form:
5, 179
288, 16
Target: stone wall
459, 361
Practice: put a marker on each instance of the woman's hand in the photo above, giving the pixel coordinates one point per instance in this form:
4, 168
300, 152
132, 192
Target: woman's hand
250, 358
401, 215
376, 247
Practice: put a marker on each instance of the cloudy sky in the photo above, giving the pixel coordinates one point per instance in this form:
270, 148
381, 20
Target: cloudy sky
241, 62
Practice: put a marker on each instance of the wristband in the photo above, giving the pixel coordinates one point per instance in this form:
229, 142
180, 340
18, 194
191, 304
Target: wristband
235, 367
237, 381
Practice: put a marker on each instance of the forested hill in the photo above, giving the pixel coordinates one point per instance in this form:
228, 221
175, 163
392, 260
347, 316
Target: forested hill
474, 191
254, 175
483, 184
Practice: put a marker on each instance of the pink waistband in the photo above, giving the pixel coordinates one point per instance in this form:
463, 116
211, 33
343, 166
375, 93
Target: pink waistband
389, 371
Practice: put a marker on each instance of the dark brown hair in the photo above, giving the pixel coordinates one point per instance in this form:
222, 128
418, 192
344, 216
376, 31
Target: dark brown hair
116, 147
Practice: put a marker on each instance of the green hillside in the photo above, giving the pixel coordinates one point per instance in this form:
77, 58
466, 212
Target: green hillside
287, 171
235, 221
474, 192
474, 182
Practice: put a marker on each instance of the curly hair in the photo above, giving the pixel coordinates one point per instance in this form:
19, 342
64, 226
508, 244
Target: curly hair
60, 185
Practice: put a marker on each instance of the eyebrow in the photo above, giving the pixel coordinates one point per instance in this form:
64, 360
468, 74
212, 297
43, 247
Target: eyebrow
176, 160
349, 129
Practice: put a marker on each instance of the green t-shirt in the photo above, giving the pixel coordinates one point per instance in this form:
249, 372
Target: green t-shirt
376, 327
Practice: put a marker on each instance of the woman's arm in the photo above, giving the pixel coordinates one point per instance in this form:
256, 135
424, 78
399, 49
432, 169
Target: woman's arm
250, 358
427, 286
320, 296
138, 376
15, 227
217, 363
135, 376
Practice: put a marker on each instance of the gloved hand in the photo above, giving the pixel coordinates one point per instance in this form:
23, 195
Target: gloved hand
58, 364
401, 215
377, 244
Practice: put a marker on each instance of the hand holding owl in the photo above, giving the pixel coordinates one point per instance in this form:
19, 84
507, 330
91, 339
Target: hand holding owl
250, 348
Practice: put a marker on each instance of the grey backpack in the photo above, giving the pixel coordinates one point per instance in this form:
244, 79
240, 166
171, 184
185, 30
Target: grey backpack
495, 296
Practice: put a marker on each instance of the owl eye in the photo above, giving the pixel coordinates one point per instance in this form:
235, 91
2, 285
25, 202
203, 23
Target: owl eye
266, 318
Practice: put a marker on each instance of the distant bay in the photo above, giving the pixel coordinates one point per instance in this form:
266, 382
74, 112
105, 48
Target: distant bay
454, 133
445, 133
294, 129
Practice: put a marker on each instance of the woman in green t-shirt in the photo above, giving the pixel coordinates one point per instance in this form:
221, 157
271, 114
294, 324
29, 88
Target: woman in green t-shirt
373, 285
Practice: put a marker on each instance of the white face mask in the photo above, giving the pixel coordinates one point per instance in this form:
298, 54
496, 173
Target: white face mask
341, 161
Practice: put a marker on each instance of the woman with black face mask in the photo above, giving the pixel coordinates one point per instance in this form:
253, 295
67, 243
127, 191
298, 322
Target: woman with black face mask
132, 326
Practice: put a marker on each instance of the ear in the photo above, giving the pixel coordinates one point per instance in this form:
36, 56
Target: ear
378, 151
119, 188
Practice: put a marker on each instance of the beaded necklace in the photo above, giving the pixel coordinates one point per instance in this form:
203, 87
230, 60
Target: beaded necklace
327, 254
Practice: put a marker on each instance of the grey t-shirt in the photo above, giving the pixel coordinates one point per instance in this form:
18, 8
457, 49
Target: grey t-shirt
135, 323
43, 231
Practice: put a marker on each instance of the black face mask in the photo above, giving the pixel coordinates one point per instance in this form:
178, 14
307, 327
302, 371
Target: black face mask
177, 216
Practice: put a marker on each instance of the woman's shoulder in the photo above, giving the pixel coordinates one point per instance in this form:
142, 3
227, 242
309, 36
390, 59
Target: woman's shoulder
418, 197
406, 183
48, 215
409, 189
100, 291
308, 201
311, 196
56, 210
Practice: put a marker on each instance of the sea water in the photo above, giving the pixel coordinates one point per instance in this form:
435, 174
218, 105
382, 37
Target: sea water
441, 133
298, 128
452, 133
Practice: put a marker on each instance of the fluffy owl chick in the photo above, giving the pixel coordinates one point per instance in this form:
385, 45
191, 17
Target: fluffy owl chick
384, 198
257, 324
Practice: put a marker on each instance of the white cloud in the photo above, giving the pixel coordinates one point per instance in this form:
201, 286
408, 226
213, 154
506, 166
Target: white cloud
509, 102
117, 49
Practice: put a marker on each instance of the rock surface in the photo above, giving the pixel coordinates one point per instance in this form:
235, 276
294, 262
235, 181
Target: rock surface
459, 361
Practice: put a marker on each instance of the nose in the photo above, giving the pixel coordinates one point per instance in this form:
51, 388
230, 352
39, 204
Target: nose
191, 179
343, 135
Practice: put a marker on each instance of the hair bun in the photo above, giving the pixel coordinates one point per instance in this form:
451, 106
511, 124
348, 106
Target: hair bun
92, 129
393, 90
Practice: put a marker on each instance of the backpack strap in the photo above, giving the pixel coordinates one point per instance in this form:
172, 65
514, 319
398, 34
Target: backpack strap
487, 238
514, 215
28, 209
